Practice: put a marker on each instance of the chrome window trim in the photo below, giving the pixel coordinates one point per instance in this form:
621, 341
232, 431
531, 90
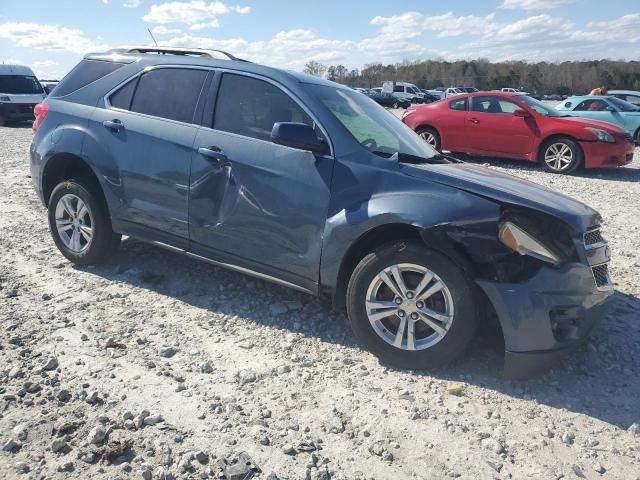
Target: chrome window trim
287, 92
108, 105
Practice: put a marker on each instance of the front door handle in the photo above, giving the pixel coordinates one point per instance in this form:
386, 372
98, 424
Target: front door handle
213, 153
116, 125
474, 120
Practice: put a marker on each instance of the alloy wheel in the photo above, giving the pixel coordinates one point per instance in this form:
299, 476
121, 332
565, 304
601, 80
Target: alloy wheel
558, 156
409, 307
74, 223
430, 138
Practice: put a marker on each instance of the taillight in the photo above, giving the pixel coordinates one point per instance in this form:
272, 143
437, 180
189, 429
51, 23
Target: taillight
40, 111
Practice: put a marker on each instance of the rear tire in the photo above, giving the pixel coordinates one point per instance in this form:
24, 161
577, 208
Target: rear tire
427, 341
80, 225
560, 155
431, 136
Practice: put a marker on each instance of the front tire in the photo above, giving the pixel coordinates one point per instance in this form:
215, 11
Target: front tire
431, 136
411, 306
560, 155
80, 225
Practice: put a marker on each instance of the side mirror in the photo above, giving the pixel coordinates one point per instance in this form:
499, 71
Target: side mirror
521, 113
298, 135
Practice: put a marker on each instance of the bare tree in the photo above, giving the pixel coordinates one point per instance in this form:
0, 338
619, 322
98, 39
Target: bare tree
315, 68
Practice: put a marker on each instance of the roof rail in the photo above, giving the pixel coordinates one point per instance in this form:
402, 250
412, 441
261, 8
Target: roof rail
197, 52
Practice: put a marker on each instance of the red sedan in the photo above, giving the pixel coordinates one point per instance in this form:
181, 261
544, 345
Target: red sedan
517, 126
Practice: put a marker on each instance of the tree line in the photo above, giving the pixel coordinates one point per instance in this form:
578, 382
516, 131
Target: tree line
545, 78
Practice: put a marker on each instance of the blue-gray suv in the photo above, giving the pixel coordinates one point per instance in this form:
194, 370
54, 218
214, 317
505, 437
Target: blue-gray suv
314, 186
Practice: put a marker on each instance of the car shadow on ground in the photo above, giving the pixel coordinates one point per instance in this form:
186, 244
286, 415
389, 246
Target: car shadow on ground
629, 173
599, 380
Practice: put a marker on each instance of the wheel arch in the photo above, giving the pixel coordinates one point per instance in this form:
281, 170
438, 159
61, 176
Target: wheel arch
428, 125
377, 236
365, 244
66, 166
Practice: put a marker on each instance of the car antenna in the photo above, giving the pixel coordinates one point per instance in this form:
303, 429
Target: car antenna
152, 37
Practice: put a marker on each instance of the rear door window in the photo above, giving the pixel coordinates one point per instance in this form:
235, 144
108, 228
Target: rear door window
170, 93
86, 72
250, 107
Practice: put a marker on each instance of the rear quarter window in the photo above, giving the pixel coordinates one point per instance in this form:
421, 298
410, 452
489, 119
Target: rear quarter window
86, 72
123, 96
460, 104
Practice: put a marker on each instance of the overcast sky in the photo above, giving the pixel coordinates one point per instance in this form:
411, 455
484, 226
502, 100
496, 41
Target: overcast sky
52, 35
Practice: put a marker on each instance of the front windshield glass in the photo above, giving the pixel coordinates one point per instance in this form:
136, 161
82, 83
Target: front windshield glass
623, 105
540, 107
17, 84
371, 125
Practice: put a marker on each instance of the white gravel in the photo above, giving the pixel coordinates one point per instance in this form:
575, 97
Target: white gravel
160, 366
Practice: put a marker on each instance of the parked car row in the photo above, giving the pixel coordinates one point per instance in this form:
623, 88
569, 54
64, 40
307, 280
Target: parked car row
385, 99
513, 125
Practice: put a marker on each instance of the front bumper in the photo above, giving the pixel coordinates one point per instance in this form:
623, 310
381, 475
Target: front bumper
545, 317
17, 112
603, 154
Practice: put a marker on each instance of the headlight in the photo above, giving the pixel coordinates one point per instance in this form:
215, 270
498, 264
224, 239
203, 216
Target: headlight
601, 135
4, 98
520, 241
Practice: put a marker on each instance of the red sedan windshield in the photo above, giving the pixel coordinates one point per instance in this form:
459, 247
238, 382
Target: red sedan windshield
540, 107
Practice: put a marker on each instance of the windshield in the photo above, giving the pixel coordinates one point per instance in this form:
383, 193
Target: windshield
19, 84
540, 107
371, 125
623, 105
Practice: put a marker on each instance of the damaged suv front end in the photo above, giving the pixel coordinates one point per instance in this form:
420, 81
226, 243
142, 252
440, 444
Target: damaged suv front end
549, 305
540, 260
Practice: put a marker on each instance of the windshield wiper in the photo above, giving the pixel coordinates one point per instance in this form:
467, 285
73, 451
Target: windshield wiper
414, 159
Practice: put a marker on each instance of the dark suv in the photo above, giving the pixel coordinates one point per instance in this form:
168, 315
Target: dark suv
314, 186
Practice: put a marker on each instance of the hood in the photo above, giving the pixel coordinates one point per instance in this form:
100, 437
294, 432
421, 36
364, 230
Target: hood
24, 97
507, 189
590, 122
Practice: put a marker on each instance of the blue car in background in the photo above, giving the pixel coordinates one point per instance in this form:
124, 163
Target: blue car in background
609, 109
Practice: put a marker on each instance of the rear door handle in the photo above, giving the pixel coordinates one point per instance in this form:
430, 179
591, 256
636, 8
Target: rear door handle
474, 120
213, 153
116, 124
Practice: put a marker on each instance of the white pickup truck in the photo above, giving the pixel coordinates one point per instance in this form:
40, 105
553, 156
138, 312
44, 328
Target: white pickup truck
513, 90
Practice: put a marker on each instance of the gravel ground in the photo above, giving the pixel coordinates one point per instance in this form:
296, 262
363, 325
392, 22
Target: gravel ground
157, 366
